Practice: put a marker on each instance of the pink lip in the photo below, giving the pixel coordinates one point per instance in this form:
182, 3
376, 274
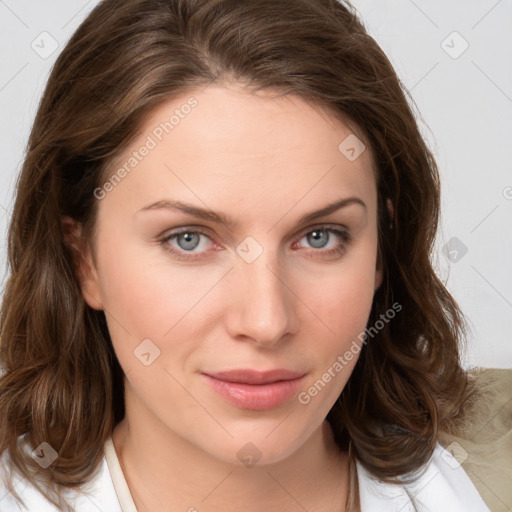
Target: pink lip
250, 389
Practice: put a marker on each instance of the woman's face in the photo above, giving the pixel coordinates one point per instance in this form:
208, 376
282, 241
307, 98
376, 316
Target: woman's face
266, 288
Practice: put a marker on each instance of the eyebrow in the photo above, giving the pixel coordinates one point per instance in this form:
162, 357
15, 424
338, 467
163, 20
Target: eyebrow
221, 218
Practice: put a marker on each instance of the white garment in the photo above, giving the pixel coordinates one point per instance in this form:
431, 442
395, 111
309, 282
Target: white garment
443, 487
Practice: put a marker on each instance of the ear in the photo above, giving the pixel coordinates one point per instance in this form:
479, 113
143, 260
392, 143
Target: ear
83, 263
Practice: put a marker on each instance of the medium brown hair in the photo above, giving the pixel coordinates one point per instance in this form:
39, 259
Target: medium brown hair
62, 383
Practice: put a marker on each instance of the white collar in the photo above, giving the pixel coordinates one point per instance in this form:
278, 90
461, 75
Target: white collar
116, 473
442, 485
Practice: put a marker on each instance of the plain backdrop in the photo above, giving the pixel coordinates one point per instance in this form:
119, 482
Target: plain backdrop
456, 60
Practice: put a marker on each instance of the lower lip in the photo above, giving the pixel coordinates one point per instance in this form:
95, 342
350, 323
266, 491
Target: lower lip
256, 397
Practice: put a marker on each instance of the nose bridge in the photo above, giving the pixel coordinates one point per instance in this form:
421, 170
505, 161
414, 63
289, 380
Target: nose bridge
264, 308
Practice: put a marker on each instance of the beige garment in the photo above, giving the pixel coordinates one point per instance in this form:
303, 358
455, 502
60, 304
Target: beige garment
483, 444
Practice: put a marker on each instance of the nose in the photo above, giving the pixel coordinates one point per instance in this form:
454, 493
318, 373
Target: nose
262, 309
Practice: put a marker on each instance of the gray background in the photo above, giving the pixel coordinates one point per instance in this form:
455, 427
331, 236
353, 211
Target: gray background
454, 57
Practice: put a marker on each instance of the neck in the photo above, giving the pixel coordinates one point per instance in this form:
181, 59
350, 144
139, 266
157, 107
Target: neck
166, 472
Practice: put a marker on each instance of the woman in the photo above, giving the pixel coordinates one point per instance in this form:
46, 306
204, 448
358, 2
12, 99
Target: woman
221, 292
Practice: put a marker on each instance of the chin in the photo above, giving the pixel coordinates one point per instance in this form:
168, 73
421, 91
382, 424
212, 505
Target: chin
265, 443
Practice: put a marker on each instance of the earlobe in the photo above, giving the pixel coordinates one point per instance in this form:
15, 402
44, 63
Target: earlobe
390, 207
83, 264
378, 279
391, 211
379, 271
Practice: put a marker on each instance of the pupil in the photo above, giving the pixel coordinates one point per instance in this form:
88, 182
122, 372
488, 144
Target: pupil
319, 238
189, 240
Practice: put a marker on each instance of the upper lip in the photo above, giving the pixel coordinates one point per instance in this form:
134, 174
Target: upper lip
248, 376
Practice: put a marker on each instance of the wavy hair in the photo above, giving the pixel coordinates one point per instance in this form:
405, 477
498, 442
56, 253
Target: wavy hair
61, 381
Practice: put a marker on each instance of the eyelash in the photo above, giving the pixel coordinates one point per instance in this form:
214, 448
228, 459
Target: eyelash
340, 249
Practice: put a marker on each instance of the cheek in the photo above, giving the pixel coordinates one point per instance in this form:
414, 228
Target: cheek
342, 308
146, 298
143, 299
341, 299
145, 291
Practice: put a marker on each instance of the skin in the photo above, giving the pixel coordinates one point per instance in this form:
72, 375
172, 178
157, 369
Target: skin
264, 161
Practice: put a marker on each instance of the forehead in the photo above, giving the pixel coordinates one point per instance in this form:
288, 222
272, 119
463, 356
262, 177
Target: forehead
238, 146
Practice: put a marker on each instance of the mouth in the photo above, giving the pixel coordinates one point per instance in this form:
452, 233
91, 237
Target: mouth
255, 390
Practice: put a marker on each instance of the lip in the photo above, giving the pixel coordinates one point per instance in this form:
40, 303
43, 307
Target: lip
255, 390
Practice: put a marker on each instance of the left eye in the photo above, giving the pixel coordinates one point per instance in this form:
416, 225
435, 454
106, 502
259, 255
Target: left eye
188, 240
